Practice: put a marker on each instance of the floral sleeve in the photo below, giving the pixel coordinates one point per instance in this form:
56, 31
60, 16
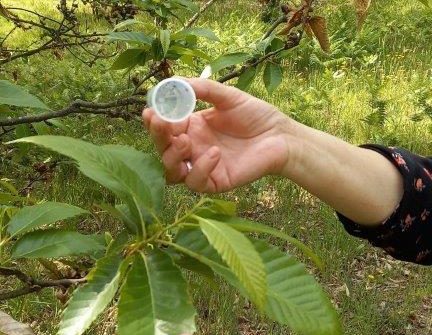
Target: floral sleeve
407, 233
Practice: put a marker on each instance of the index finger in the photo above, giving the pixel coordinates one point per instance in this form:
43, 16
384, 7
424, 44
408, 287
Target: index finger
219, 95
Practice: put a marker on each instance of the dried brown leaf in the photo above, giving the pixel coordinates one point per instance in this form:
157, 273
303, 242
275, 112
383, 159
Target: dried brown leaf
361, 7
308, 30
9, 326
294, 20
318, 25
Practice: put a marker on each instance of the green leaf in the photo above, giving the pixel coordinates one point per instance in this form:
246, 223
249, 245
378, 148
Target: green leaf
188, 263
130, 37
238, 252
154, 299
197, 31
6, 198
146, 166
228, 60
127, 23
189, 52
11, 94
5, 184
245, 80
129, 58
106, 168
91, 299
165, 39
272, 77
53, 243
247, 226
41, 128
35, 216
294, 298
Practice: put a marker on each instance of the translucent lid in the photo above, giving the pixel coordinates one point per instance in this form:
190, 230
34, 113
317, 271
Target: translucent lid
173, 99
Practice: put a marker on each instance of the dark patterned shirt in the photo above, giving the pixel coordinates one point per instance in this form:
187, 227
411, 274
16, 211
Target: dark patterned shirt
407, 233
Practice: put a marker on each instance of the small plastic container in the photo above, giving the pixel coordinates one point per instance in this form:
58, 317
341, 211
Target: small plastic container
173, 99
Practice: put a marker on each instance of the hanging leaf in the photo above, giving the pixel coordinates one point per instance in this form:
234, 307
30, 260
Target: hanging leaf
11, 94
272, 77
318, 25
106, 168
127, 23
246, 226
130, 37
53, 243
237, 251
129, 58
246, 79
91, 299
228, 60
361, 7
154, 299
147, 167
293, 296
9, 326
165, 39
35, 216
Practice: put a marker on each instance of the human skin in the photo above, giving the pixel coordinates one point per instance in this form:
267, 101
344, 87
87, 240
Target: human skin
240, 139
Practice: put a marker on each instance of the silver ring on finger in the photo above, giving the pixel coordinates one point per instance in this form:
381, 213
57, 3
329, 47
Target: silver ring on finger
189, 166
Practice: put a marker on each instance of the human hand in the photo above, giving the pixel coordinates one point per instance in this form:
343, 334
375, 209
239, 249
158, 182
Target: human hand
236, 141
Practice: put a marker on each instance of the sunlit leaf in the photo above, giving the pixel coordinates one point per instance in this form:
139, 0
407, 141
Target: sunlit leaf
11, 94
52, 243
246, 79
240, 255
228, 60
91, 299
130, 37
154, 299
35, 216
165, 39
272, 77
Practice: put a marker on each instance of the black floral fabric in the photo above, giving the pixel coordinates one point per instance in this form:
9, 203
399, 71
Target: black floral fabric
407, 233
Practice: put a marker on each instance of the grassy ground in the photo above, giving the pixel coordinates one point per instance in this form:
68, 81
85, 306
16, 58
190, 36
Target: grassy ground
389, 64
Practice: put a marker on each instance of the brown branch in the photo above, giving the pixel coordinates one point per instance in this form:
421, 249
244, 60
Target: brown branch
33, 285
197, 15
78, 107
274, 26
292, 43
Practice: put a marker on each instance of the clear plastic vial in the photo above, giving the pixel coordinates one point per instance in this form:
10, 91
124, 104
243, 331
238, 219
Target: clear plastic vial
173, 99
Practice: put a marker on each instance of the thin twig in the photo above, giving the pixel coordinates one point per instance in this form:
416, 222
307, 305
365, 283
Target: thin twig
276, 24
197, 15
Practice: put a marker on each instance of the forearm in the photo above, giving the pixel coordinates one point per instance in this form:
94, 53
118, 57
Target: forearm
359, 183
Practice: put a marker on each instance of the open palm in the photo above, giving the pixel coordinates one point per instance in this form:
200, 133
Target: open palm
238, 140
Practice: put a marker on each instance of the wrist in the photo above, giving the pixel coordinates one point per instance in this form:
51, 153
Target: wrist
290, 132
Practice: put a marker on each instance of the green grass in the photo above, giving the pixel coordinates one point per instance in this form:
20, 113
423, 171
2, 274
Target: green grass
390, 61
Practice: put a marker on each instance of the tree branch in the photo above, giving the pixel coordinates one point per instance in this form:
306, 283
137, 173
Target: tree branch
33, 285
275, 24
197, 15
78, 107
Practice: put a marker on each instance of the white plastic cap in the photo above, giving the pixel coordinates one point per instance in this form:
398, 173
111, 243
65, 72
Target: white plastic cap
173, 99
